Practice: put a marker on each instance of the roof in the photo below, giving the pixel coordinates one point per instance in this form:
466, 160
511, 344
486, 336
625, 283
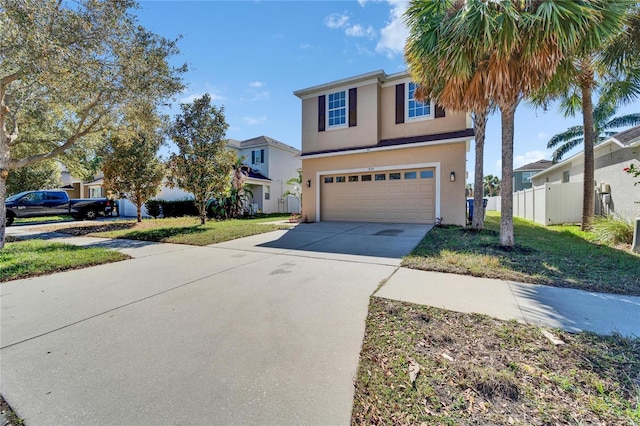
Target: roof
253, 174
405, 142
261, 141
537, 165
625, 139
379, 75
628, 137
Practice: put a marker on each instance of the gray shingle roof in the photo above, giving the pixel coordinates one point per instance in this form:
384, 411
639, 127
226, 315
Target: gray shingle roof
628, 136
537, 165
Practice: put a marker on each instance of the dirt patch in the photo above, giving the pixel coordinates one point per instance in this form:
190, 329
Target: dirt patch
479, 370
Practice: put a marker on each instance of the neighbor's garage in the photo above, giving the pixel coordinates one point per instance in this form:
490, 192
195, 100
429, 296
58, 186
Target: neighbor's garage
406, 196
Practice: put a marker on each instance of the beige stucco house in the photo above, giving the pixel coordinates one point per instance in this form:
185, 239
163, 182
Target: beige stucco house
615, 190
371, 152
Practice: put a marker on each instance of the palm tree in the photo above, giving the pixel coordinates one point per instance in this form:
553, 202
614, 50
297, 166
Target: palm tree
491, 186
475, 52
598, 56
603, 125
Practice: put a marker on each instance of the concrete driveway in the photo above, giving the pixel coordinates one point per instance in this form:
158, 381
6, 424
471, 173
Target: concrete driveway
261, 330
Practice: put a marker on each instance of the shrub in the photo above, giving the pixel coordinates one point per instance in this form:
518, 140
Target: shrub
171, 208
613, 230
153, 207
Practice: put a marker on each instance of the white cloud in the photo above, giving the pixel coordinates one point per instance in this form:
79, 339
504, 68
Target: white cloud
362, 2
360, 31
337, 20
252, 121
256, 84
543, 136
394, 35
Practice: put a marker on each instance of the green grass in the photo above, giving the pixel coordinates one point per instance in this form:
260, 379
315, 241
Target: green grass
43, 219
561, 256
23, 259
479, 370
183, 230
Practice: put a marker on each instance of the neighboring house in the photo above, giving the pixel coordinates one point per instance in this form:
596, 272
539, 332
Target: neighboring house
522, 175
77, 188
271, 164
371, 152
615, 190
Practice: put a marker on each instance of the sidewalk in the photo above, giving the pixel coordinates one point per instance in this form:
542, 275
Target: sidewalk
568, 309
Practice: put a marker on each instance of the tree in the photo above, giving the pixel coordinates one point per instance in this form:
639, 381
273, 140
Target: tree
501, 51
609, 51
603, 123
203, 164
424, 20
130, 163
296, 188
66, 70
42, 175
491, 186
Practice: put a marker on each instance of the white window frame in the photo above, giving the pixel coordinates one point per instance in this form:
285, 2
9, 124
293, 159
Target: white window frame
259, 159
408, 119
346, 110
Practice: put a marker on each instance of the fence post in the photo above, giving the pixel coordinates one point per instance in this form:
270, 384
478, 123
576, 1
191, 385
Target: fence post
636, 237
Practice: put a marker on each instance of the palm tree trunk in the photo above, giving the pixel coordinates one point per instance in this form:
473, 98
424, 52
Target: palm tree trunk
507, 115
480, 124
589, 140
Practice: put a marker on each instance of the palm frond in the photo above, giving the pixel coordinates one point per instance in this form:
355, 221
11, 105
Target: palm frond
628, 120
566, 136
563, 149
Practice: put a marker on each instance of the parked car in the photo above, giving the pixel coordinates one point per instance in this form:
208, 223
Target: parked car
52, 203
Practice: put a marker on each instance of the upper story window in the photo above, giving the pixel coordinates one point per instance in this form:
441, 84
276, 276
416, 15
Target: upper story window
408, 109
416, 109
337, 109
257, 156
526, 176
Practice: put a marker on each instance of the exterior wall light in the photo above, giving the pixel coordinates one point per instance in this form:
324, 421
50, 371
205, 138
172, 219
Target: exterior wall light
309, 183
452, 176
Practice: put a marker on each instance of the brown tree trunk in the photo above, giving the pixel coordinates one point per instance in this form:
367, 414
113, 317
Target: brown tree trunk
507, 114
139, 211
480, 124
589, 142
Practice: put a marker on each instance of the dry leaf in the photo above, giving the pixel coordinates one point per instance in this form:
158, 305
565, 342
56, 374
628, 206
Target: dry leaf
414, 369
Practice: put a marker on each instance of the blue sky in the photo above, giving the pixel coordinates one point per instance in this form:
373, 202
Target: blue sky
250, 56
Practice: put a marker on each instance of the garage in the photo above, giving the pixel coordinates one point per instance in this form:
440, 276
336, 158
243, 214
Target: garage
404, 196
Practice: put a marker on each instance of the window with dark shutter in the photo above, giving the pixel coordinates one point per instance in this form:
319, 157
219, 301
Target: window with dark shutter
261, 156
353, 107
439, 111
253, 157
321, 113
399, 103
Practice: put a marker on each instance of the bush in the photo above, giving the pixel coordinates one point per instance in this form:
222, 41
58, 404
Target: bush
171, 208
153, 207
612, 230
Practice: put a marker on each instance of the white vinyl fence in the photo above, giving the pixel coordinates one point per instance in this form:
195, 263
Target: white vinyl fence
551, 204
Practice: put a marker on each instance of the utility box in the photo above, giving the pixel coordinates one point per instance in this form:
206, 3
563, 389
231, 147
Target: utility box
635, 246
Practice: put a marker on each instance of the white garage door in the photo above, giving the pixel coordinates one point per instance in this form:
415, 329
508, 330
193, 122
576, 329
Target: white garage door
404, 196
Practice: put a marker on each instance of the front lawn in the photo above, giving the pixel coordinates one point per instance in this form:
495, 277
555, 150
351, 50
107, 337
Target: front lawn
561, 256
472, 369
24, 259
180, 230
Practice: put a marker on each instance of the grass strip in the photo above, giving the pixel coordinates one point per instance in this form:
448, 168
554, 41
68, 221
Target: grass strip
182, 230
30, 258
561, 256
477, 370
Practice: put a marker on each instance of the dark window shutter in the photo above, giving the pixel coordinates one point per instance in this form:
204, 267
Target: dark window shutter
399, 103
253, 157
262, 156
439, 111
353, 107
321, 113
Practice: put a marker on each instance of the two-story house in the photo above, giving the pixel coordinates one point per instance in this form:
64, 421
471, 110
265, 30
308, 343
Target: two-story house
522, 175
371, 152
271, 164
